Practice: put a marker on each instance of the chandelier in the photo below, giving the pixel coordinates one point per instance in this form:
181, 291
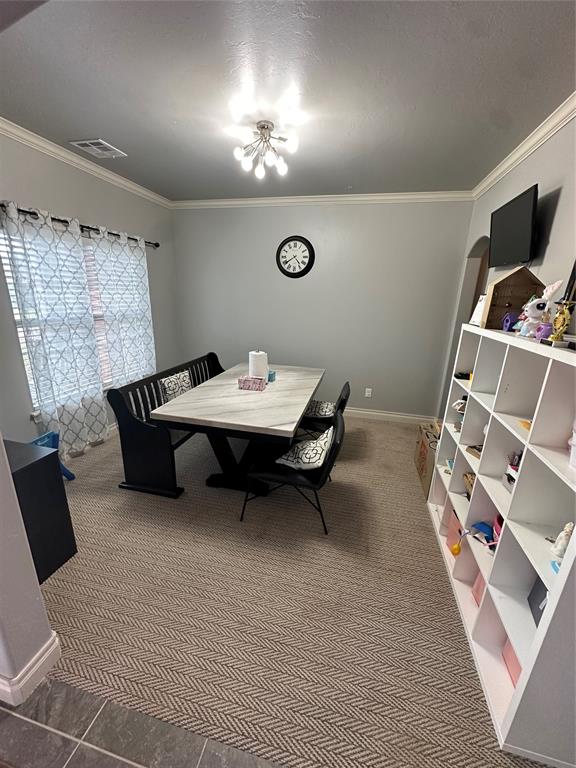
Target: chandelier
263, 151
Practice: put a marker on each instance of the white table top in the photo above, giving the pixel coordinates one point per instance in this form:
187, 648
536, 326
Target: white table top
219, 403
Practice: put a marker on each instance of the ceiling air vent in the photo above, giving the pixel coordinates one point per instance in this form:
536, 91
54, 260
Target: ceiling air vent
98, 148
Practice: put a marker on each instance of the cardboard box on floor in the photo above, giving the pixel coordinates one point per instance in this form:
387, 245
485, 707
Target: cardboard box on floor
426, 447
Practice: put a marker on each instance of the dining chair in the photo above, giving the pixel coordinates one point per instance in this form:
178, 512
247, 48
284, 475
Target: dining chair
312, 424
312, 480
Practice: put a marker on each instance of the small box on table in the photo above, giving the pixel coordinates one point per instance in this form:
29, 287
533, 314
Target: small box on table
254, 383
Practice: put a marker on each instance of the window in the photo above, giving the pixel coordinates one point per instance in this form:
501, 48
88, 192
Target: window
10, 284
98, 315
34, 329
109, 274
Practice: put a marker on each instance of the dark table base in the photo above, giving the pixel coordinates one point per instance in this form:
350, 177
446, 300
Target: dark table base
237, 483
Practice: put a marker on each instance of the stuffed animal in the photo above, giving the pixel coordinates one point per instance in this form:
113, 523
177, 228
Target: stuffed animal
536, 307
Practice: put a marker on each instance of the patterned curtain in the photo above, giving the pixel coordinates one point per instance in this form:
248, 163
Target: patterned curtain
123, 300
51, 302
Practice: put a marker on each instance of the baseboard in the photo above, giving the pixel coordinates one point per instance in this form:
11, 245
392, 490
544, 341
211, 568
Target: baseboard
15, 690
407, 418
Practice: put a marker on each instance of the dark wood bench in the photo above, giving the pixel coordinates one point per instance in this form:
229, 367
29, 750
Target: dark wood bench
148, 448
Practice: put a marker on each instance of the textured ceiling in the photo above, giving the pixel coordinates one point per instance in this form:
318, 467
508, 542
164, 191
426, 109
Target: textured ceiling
398, 96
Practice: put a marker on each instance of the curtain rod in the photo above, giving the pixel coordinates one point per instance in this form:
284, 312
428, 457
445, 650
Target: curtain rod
83, 227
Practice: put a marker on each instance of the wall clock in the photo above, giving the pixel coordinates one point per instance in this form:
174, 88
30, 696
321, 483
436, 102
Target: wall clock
295, 256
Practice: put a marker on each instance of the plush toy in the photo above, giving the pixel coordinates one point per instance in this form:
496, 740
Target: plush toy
535, 309
562, 540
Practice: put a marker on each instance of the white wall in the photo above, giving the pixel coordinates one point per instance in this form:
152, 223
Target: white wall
34, 179
376, 309
552, 167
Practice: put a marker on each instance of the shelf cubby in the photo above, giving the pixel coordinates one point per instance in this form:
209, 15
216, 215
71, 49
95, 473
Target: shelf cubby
457, 489
488, 368
500, 442
509, 585
465, 566
467, 352
489, 638
554, 419
446, 447
482, 509
475, 421
438, 492
519, 389
541, 507
452, 416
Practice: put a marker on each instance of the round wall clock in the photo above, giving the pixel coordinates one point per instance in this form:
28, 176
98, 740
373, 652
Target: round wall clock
295, 256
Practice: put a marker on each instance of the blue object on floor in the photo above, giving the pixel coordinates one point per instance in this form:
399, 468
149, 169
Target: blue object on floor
52, 440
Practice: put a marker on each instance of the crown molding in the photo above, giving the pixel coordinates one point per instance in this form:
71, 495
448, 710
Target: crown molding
551, 125
47, 147
272, 202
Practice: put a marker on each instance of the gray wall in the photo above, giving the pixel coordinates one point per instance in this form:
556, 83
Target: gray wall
552, 167
376, 309
32, 178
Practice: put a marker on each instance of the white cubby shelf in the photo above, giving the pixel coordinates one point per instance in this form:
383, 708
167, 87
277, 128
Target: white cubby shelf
521, 398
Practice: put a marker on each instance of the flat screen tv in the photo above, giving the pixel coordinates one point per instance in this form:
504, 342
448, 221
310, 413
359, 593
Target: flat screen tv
512, 230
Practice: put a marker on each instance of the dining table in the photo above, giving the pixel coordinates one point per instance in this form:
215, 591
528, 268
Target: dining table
268, 419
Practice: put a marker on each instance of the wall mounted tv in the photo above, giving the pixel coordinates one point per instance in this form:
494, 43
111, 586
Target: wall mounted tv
513, 229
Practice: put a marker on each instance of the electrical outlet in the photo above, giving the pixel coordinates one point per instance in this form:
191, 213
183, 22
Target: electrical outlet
368, 392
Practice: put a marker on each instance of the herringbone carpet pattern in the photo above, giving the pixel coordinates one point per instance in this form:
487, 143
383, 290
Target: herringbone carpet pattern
342, 651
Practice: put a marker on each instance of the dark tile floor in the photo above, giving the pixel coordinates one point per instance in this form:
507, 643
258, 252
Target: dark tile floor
62, 727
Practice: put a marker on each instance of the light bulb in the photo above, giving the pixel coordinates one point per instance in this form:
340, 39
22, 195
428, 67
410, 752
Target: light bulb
291, 144
270, 158
260, 172
281, 167
238, 153
246, 163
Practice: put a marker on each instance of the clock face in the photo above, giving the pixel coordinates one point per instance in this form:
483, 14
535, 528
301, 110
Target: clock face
295, 256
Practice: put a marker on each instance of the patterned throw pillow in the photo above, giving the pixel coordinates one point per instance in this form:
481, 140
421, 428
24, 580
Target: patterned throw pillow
318, 408
175, 385
309, 454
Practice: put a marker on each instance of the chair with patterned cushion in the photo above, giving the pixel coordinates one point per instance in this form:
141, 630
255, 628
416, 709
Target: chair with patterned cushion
320, 413
293, 473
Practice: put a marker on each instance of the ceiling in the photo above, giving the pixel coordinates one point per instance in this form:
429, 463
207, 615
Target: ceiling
396, 96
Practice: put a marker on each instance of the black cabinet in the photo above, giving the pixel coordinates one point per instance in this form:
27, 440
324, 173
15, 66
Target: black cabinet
42, 498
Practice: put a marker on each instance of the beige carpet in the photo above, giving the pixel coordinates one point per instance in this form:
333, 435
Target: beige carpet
336, 651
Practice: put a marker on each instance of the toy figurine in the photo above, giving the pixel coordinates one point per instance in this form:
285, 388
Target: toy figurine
562, 320
561, 544
522, 316
509, 320
535, 309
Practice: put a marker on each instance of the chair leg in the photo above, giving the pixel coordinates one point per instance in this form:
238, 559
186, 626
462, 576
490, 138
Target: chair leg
319, 508
248, 498
244, 506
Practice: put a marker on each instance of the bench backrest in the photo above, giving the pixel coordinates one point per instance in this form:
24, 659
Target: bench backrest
143, 396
